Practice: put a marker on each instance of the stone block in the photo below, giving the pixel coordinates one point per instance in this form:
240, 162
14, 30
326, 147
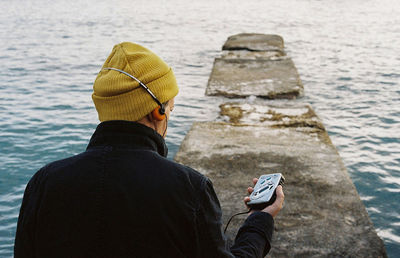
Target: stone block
239, 78
254, 42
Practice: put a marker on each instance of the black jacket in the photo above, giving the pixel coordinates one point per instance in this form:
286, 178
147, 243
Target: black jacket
123, 198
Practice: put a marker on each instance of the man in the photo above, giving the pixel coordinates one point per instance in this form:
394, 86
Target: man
122, 197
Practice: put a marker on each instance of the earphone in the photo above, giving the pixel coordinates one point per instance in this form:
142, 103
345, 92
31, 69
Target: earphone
159, 112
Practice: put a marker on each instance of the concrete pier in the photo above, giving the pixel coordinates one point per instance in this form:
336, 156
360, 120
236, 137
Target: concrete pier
254, 65
323, 215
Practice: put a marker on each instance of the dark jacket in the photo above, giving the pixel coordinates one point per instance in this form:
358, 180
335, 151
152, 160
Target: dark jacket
123, 198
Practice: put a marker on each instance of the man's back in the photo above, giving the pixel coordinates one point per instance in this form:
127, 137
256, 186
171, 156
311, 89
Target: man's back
118, 198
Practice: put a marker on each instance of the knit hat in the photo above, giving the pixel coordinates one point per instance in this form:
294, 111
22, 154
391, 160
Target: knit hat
119, 97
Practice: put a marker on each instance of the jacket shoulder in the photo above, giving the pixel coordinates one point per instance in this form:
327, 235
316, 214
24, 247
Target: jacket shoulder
57, 166
192, 173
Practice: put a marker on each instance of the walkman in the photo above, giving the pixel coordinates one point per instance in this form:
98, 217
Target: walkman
264, 191
263, 194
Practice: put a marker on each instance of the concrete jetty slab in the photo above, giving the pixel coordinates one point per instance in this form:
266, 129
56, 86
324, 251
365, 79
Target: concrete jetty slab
323, 215
254, 42
239, 78
259, 55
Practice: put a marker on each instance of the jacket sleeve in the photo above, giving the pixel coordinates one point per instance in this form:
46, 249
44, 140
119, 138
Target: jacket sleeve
25, 235
253, 238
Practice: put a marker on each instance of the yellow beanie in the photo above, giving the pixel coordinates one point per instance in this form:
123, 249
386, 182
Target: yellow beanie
119, 97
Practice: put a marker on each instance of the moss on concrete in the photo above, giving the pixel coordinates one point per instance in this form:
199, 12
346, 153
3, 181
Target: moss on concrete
275, 117
234, 113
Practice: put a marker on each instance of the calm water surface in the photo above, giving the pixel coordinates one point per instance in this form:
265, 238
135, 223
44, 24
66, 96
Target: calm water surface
347, 54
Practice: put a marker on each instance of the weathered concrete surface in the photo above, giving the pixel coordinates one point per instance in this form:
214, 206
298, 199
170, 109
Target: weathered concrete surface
260, 55
323, 215
245, 77
254, 42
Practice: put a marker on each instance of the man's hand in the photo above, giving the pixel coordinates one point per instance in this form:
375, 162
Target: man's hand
274, 208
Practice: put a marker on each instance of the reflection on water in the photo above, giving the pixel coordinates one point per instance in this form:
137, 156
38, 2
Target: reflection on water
346, 53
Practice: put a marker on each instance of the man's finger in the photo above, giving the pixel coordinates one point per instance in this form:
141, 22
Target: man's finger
250, 190
280, 196
255, 180
279, 192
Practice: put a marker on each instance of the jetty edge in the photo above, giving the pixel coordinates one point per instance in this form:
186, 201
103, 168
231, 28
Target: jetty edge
323, 214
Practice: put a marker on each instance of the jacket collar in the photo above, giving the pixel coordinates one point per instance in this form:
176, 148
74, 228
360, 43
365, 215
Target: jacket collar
133, 134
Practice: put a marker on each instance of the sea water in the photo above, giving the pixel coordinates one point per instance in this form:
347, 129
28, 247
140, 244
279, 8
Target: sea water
347, 54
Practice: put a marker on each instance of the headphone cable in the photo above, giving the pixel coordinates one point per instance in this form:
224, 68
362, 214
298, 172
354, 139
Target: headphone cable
229, 221
166, 125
